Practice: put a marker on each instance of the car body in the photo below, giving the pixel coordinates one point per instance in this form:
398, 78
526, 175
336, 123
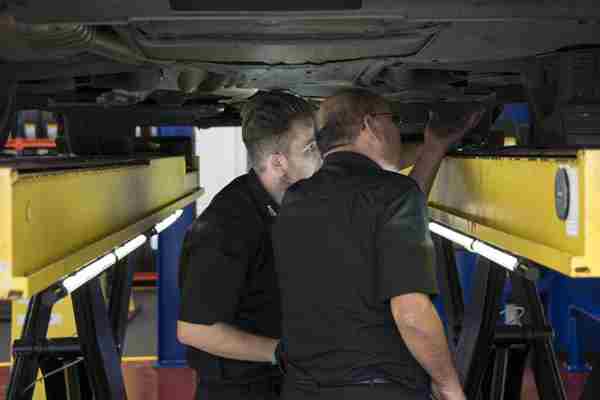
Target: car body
116, 64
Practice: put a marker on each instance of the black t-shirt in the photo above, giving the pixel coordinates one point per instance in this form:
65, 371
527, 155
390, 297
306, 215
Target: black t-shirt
346, 241
227, 275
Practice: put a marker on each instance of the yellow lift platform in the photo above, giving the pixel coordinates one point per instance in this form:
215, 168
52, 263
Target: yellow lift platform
57, 216
542, 206
60, 216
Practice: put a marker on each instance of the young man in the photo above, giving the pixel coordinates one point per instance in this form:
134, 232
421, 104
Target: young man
355, 263
231, 314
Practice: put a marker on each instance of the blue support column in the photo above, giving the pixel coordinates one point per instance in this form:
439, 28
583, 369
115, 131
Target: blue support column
171, 353
466, 262
575, 362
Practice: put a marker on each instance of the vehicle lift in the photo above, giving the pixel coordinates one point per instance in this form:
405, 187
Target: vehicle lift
520, 209
65, 221
80, 212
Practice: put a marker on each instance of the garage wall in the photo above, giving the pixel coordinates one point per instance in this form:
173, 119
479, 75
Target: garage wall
222, 158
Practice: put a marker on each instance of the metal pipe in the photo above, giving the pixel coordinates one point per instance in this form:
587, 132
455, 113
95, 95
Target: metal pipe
505, 335
89, 38
69, 345
110, 46
77, 36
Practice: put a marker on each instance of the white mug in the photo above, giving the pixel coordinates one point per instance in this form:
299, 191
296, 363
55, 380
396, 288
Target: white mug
512, 314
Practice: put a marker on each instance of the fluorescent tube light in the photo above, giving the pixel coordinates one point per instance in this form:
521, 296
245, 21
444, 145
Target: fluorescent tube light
499, 257
453, 236
130, 246
165, 223
101, 264
89, 272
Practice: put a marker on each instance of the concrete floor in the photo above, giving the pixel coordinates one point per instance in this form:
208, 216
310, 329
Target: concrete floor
142, 333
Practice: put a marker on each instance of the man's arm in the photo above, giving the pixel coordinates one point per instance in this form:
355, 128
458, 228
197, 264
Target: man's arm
214, 263
410, 153
224, 340
438, 139
406, 278
423, 332
426, 167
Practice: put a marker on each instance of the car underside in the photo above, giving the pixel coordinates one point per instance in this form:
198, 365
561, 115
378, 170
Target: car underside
113, 65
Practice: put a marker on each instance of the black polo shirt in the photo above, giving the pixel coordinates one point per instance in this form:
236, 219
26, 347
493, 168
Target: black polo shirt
227, 275
346, 241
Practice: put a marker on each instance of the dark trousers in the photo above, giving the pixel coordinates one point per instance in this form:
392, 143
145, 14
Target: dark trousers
269, 389
382, 391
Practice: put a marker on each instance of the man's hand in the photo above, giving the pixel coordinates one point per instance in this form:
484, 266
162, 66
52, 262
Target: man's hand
281, 357
440, 136
438, 139
455, 393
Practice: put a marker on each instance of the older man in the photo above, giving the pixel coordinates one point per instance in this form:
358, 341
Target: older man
355, 262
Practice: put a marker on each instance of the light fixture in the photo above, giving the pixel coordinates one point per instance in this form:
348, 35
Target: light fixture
101, 264
165, 223
88, 272
130, 246
453, 236
499, 257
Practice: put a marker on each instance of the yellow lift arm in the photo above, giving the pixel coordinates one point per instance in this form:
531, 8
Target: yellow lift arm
544, 207
52, 222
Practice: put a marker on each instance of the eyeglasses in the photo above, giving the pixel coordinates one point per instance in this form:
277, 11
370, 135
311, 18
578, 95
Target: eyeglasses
396, 118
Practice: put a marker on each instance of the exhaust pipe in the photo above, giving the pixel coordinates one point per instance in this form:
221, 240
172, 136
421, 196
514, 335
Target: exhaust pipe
81, 37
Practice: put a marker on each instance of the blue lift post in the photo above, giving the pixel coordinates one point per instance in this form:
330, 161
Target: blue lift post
171, 353
574, 311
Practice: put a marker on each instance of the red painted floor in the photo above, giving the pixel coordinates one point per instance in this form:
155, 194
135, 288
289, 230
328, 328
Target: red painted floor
144, 382
573, 383
3, 382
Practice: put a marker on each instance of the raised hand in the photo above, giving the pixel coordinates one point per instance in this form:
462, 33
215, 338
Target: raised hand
440, 136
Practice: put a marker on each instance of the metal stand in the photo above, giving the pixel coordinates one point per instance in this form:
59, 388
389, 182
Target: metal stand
97, 341
538, 335
26, 365
101, 334
491, 357
592, 385
450, 286
118, 307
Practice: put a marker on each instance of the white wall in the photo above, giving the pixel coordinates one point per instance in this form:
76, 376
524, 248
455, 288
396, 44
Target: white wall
222, 158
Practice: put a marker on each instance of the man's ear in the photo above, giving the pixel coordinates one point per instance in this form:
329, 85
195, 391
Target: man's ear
367, 123
370, 127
